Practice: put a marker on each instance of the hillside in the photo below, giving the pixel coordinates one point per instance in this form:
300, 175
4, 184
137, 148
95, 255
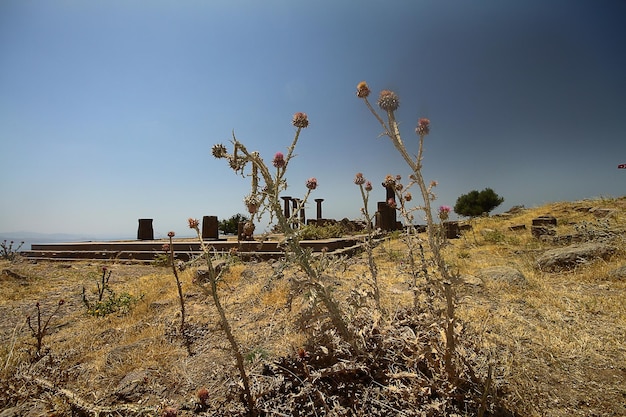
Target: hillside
545, 316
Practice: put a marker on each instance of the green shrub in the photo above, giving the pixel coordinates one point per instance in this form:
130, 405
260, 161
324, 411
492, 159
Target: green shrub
476, 203
329, 231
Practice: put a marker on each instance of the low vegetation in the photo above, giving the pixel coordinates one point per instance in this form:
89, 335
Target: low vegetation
552, 347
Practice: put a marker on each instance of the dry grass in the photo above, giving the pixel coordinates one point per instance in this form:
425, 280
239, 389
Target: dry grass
558, 342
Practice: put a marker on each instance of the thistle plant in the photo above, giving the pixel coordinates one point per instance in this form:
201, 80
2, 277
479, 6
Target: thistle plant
214, 276
365, 187
179, 287
8, 252
266, 187
40, 328
389, 102
112, 303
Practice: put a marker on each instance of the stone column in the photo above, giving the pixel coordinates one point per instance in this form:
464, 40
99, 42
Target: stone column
296, 202
388, 214
210, 227
145, 230
319, 207
286, 199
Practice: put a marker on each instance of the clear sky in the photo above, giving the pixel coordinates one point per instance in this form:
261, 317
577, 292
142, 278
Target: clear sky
109, 109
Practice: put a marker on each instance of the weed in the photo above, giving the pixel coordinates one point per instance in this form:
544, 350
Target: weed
214, 275
179, 287
494, 236
388, 102
365, 187
313, 232
40, 329
113, 303
8, 252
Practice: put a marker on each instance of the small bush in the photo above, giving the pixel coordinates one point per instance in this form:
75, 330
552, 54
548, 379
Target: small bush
330, 231
477, 203
112, 303
8, 252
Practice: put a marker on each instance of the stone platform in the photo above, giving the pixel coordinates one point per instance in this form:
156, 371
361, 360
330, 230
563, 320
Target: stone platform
145, 251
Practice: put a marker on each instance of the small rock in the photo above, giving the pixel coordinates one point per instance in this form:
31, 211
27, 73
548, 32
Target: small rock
601, 213
618, 273
471, 280
503, 274
572, 256
516, 227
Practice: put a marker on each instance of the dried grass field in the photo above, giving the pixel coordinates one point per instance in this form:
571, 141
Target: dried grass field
555, 341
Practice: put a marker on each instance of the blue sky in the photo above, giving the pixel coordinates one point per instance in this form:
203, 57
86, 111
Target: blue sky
109, 109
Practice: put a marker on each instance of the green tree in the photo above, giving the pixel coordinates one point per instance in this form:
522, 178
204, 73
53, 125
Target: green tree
476, 203
230, 226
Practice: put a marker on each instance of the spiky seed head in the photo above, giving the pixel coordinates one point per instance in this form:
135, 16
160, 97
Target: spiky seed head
388, 100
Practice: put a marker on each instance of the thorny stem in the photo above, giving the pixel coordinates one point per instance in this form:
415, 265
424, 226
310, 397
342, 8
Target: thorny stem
180, 290
273, 188
370, 246
41, 330
213, 280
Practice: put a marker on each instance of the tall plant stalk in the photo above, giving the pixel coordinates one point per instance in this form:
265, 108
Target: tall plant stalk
214, 277
389, 102
269, 196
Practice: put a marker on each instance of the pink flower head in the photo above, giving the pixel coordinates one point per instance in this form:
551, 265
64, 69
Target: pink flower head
300, 120
368, 186
171, 234
311, 183
279, 160
444, 212
359, 179
423, 127
391, 203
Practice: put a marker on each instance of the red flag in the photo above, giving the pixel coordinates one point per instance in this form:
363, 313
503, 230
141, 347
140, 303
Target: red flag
621, 166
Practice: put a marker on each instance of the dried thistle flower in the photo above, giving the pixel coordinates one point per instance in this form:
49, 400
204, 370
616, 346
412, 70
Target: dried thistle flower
311, 183
248, 228
368, 186
389, 182
300, 120
362, 90
408, 197
279, 160
171, 234
392, 203
219, 151
423, 127
388, 100
203, 396
252, 203
359, 179
302, 353
193, 223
